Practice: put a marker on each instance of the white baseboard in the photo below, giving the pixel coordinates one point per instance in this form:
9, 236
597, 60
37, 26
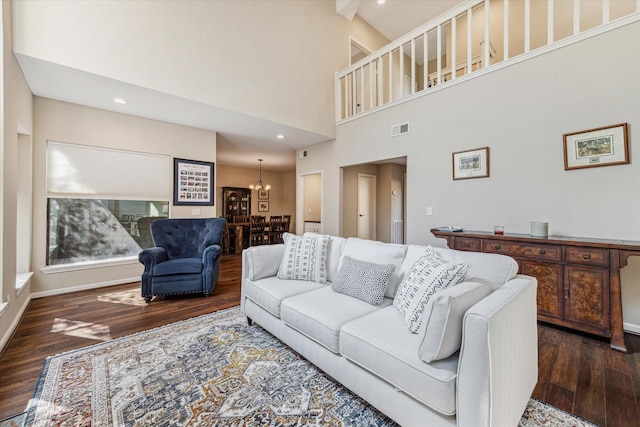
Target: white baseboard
14, 324
84, 287
632, 328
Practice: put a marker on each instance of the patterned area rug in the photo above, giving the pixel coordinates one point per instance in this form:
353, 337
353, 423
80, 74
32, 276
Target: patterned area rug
15, 421
212, 370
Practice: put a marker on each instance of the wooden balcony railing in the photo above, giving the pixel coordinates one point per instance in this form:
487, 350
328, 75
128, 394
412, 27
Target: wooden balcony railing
422, 61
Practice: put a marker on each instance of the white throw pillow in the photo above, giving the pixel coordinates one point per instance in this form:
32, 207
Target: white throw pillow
334, 252
304, 258
364, 280
444, 317
427, 276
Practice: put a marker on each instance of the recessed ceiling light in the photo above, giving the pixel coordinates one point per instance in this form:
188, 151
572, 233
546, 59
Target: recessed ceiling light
381, 1
120, 101
280, 136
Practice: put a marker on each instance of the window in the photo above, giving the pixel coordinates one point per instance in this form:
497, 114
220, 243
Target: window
89, 229
100, 201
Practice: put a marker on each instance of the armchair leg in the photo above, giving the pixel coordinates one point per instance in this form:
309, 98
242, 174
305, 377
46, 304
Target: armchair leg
147, 299
249, 321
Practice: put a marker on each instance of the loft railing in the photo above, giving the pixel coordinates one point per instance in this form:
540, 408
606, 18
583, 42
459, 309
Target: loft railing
424, 59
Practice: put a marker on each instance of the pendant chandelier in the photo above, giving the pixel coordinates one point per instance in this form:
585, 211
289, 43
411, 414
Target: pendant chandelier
260, 185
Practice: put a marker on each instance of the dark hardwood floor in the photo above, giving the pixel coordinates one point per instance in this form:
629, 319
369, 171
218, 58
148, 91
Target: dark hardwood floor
579, 374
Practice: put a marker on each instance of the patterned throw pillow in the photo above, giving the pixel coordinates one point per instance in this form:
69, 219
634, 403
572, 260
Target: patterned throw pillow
364, 280
304, 258
427, 276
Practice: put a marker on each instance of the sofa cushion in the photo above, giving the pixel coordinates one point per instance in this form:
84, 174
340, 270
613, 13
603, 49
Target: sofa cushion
304, 258
380, 253
269, 292
427, 276
442, 335
364, 280
380, 343
334, 252
320, 314
496, 268
178, 266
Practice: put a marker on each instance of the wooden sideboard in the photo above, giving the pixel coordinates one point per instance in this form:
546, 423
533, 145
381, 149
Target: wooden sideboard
578, 278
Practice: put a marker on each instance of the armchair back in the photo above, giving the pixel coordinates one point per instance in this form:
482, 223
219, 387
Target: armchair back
187, 237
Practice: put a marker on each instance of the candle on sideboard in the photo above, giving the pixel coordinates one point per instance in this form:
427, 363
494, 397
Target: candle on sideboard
539, 229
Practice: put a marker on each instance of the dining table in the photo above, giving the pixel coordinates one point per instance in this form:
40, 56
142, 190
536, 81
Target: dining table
239, 233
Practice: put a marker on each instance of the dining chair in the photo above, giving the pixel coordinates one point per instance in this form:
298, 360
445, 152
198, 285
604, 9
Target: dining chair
256, 230
276, 228
286, 223
240, 218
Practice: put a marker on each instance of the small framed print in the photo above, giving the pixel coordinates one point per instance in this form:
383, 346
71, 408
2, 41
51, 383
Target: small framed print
263, 206
192, 182
263, 194
471, 163
603, 146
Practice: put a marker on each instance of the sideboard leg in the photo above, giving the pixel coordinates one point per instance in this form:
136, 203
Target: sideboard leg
615, 304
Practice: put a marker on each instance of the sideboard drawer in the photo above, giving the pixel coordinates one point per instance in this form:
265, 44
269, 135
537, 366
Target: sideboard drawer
505, 248
587, 256
543, 252
463, 244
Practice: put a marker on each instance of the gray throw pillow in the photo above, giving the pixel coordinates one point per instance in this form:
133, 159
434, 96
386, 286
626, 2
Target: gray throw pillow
364, 280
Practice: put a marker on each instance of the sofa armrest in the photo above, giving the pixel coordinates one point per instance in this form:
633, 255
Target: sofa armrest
149, 258
152, 256
262, 261
211, 267
259, 262
498, 366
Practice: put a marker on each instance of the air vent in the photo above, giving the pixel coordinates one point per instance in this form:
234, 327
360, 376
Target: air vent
400, 129
302, 154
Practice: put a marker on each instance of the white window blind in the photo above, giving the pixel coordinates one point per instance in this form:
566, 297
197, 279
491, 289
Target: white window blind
82, 171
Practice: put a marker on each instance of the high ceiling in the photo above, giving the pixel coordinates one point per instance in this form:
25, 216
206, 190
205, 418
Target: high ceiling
242, 139
395, 18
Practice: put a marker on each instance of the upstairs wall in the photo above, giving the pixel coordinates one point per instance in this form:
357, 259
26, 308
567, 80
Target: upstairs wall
521, 112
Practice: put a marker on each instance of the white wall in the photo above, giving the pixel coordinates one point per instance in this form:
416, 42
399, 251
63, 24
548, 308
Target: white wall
312, 200
63, 122
270, 59
280, 202
521, 113
17, 116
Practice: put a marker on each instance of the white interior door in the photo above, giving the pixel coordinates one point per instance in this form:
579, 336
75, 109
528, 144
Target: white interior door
366, 206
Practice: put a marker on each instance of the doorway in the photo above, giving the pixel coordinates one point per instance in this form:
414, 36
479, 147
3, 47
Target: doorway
366, 206
311, 198
373, 200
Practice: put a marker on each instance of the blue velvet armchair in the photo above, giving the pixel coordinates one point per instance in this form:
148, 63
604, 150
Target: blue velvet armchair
185, 259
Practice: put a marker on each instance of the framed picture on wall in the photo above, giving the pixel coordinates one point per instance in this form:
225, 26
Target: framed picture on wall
603, 146
471, 163
192, 182
263, 206
263, 194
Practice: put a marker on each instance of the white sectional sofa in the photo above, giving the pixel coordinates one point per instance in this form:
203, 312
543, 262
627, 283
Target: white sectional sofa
487, 322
